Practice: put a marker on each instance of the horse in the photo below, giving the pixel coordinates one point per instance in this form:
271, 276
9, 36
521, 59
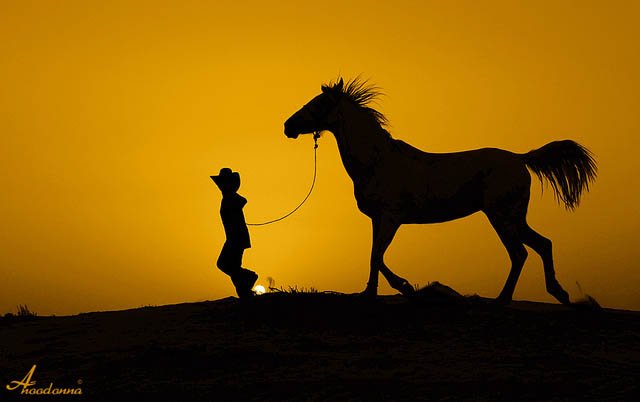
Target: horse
396, 183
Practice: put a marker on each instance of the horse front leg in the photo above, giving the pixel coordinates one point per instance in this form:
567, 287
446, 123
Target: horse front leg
383, 232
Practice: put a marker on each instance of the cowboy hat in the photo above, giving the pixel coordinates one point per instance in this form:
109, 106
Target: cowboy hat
227, 177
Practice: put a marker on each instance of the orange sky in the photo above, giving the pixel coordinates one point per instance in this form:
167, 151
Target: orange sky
112, 117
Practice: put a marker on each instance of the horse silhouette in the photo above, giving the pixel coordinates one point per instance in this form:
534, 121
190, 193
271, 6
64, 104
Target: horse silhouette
395, 183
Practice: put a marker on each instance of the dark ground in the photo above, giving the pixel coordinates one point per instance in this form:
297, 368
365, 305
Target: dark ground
318, 347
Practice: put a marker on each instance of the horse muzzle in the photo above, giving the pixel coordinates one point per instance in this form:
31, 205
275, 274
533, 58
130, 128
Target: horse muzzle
290, 131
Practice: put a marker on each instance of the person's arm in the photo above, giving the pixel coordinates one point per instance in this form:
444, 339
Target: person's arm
241, 201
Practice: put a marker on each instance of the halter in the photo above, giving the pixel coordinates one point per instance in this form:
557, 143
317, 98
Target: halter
316, 135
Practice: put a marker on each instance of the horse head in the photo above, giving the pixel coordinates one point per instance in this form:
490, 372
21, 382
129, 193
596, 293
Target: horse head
318, 115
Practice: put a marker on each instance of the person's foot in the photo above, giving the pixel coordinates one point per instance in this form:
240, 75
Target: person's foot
244, 282
251, 278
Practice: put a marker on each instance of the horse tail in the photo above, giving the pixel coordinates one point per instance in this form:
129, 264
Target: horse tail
567, 165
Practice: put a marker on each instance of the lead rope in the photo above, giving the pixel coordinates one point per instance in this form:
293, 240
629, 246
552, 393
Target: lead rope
316, 135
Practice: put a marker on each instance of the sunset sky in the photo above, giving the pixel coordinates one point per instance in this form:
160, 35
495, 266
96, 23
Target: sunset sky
114, 114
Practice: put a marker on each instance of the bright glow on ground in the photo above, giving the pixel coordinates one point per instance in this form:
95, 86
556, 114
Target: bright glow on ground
259, 289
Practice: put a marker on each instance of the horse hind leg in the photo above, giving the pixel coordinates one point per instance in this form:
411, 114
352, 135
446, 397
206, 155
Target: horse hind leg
509, 234
543, 247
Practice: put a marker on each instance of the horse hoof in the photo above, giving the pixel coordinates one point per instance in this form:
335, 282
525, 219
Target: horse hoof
560, 294
562, 297
368, 293
406, 289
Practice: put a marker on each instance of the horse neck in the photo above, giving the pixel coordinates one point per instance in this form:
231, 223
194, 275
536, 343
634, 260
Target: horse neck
361, 141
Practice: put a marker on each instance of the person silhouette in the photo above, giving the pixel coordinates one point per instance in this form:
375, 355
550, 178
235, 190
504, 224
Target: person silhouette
236, 231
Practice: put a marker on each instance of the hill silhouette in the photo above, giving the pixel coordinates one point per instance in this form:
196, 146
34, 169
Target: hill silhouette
328, 346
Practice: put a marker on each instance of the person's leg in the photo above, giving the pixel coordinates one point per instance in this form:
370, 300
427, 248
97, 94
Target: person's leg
242, 278
229, 262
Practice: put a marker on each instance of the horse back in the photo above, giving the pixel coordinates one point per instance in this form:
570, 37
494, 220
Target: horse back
435, 187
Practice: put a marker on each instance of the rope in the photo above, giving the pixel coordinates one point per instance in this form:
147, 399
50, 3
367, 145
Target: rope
316, 135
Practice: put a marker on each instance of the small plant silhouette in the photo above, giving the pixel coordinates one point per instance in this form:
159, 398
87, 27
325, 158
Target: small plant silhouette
271, 284
23, 311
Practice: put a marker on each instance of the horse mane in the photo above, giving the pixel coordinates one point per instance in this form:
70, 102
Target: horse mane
362, 94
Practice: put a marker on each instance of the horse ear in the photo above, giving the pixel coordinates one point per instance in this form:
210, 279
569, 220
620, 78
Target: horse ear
340, 85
